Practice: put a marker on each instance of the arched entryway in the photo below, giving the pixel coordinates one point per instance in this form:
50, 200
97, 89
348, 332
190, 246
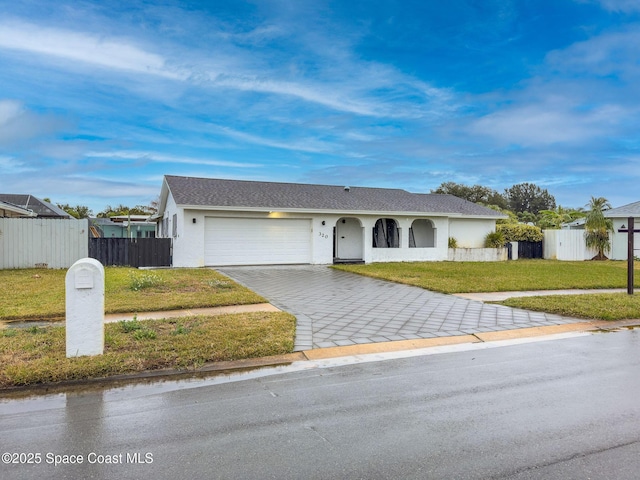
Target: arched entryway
348, 243
422, 234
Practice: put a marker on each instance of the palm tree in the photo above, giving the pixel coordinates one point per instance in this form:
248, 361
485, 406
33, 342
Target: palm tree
597, 227
554, 219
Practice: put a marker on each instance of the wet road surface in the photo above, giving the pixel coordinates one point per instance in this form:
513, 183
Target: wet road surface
563, 408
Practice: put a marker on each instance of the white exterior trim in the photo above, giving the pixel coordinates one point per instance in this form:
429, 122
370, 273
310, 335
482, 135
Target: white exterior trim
189, 242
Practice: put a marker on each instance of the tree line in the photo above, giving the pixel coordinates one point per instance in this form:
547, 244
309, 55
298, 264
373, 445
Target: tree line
82, 211
523, 203
530, 204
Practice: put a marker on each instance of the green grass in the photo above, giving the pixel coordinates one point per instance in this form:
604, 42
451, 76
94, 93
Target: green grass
606, 306
40, 294
519, 275
37, 355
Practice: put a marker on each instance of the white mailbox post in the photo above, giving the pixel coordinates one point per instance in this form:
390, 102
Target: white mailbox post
84, 285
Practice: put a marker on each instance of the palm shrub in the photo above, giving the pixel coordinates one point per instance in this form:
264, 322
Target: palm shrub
597, 227
494, 239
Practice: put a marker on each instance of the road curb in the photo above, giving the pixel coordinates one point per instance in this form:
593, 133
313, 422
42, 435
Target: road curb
234, 366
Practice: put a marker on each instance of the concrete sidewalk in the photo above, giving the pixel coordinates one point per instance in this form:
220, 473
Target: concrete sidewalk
500, 296
257, 307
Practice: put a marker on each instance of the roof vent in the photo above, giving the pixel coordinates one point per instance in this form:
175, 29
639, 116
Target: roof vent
347, 188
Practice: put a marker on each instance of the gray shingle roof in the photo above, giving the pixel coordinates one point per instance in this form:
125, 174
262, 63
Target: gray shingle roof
210, 192
631, 210
40, 207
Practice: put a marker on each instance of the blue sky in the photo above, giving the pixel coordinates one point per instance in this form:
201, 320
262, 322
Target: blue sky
99, 100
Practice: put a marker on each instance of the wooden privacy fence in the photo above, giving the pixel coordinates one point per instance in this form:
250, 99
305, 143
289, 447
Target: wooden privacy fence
530, 250
136, 252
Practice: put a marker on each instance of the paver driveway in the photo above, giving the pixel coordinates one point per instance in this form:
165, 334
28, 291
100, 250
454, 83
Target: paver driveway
336, 308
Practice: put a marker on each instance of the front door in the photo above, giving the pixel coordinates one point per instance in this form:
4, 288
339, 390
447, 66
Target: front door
349, 243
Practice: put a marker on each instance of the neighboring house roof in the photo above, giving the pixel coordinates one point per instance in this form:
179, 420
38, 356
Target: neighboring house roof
10, 210
577, 224
630, 210
41, 208
238, 194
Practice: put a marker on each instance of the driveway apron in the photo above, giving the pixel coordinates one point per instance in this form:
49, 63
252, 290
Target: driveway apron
336, 308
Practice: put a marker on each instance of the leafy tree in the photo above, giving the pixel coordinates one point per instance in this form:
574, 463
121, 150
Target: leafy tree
79, 211
527, 217
475, 194
553, 219
597, 227
513, 218
528, 197
120, 210
154, 205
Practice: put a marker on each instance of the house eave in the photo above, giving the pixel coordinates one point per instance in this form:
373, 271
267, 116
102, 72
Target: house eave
314, 211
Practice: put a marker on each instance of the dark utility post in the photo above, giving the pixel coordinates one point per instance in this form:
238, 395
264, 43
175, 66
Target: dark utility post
630, 252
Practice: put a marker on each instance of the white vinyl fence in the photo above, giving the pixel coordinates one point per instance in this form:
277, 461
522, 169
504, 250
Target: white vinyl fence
566, 245
42, 242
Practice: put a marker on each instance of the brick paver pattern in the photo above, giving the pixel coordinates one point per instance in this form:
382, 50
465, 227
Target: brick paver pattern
336, 308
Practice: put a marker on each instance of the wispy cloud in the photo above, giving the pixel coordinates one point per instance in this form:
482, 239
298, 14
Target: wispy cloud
538, 125
611, 54
387, 94
18, 124
626, 6
312, 145
127, 155
352, 86
82, 47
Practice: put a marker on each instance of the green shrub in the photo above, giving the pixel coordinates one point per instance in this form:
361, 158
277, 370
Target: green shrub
520, 232
494, 240
453, 242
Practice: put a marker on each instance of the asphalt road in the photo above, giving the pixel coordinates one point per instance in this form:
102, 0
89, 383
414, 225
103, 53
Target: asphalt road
560, 409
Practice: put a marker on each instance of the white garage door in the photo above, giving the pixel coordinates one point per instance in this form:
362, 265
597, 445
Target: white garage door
256, 241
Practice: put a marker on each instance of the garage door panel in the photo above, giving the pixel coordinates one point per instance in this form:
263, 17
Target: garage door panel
257, 241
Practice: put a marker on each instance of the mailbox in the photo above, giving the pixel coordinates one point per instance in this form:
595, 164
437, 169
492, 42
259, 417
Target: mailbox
84, 295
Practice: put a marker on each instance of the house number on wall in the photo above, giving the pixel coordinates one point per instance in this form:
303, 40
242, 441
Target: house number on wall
324, 235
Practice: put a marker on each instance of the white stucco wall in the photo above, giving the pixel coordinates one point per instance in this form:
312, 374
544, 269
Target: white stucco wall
478, 254
189, 243
404, 253
470, 233
619, 240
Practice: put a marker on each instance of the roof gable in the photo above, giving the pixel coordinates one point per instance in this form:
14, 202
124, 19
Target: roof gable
41, 208
220, 193
630, 210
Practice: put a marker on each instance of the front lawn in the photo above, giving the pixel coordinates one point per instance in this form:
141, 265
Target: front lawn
36, 355
40, 294
601, 306
519, 275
